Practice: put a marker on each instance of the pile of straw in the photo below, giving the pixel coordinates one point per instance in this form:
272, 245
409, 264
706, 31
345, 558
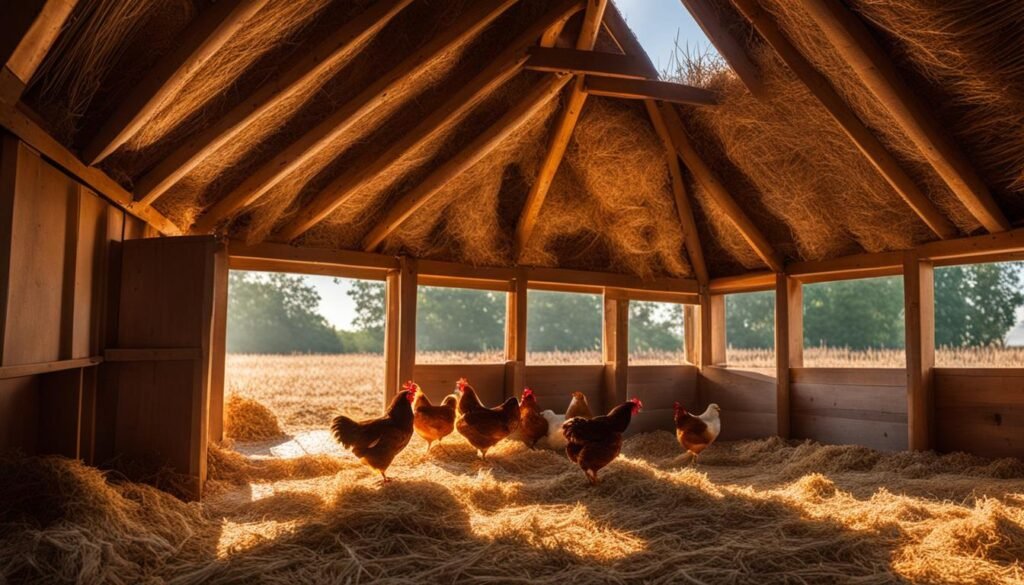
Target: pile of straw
248, 420
768, 511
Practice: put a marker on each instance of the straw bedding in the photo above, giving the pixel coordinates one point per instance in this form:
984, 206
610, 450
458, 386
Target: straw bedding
766, 511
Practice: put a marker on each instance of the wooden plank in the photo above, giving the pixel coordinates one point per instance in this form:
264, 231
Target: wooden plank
873, 66
660, 386
203, 38
152, 355
645, 89
363, 170
407, 289
749, 282
60, 413
22, 370
842, 400
969, 248
500, 278
716, 343
615, 346
34, 44
682, 200
516, 316
87, 424
392, 308
847, 267
919, 310
23, 126
869, 145
537, 276
559, 140
894, 377
789, 345
470, 154
740, 390
624, 38
19, 414
577, 62
307, 66
980, 372
90, 257
43, 199
438, 380
262, 179
70, 280
881, 435
708, 17
653, 296
691, 333
339, 271
703, 173
554, 384
284, 252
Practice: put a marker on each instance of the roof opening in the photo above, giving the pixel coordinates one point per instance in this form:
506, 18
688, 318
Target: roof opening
662, 26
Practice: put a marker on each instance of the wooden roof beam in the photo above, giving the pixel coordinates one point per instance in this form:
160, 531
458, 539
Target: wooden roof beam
502, 68
307, 146
469, 155
306, 66
27, 54
559, 141
862, 137
683, 208
579, 62
645, 89
204, 37
706, 177
854, 43
710, 21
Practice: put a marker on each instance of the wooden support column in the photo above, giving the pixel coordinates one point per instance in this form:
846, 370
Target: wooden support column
515, 336
407, 274
23, 49
615, 344
919, 307
391, 312
712, 330
789, 345
691, 333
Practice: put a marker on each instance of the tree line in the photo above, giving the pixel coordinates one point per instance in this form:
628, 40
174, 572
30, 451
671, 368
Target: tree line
278, 313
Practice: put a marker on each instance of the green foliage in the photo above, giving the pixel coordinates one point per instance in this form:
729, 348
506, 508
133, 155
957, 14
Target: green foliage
858, 314
976, 305
563, 321
750, 320
655, 326
456, 319
276, 313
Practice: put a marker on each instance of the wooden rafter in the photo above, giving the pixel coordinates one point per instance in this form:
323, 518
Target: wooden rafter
683, 207
854, 43
367, 167
203, 39
34, 43
648, 89
862, 137
541, 93
617, 28
706, 177
564, 126
578, 62
308, 65
710, 21
264, 178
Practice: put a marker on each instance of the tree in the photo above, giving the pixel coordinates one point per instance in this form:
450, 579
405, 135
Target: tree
750, 320
976, 305
858, 314
276, 313
563, 321
456, 319
655, 326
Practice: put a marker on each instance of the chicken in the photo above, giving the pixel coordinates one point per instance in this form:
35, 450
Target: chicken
577, 407
695, 433
484, 427
376, 442
433, 423
594, 443
532, 425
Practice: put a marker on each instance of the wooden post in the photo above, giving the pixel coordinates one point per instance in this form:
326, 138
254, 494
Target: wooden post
219, 346
615, 343
691, 333
391, 311
789, 344
919, 307
712, 330
515, 336
406, 321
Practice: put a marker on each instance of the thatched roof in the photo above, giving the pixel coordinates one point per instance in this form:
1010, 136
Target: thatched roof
783, 158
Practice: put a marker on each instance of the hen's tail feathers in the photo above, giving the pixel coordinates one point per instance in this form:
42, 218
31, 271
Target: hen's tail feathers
571, 427
342, 428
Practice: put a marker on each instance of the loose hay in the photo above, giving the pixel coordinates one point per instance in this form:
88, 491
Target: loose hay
752, 511
247, 420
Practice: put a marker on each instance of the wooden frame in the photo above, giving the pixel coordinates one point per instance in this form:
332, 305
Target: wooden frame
33, 44
789, 346
869, 145
577, 62
615, 347
707, 16
919, 310
515, 336
649, 89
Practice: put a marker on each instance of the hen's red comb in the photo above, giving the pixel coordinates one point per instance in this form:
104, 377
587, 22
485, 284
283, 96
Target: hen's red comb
636, 403
462, 383
527, 392
409, 385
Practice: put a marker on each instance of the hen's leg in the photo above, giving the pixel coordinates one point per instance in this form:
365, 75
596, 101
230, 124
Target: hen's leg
384, 477
429, 443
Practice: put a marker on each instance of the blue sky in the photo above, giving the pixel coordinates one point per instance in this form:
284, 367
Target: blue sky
658, 23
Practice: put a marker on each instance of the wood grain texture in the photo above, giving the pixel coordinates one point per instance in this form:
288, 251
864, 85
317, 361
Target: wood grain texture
980, 411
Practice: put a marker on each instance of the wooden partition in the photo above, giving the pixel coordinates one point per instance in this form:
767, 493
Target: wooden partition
554, 385
747, 400
659, 387
980, 411
854, 406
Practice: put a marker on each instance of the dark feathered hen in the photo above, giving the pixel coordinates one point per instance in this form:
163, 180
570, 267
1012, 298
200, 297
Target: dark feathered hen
376, 442
484, 427
594, 443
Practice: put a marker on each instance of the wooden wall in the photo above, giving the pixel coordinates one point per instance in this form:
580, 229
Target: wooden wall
659, 387
56, 239
747, 400
862, 406
438, 380
980, 410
